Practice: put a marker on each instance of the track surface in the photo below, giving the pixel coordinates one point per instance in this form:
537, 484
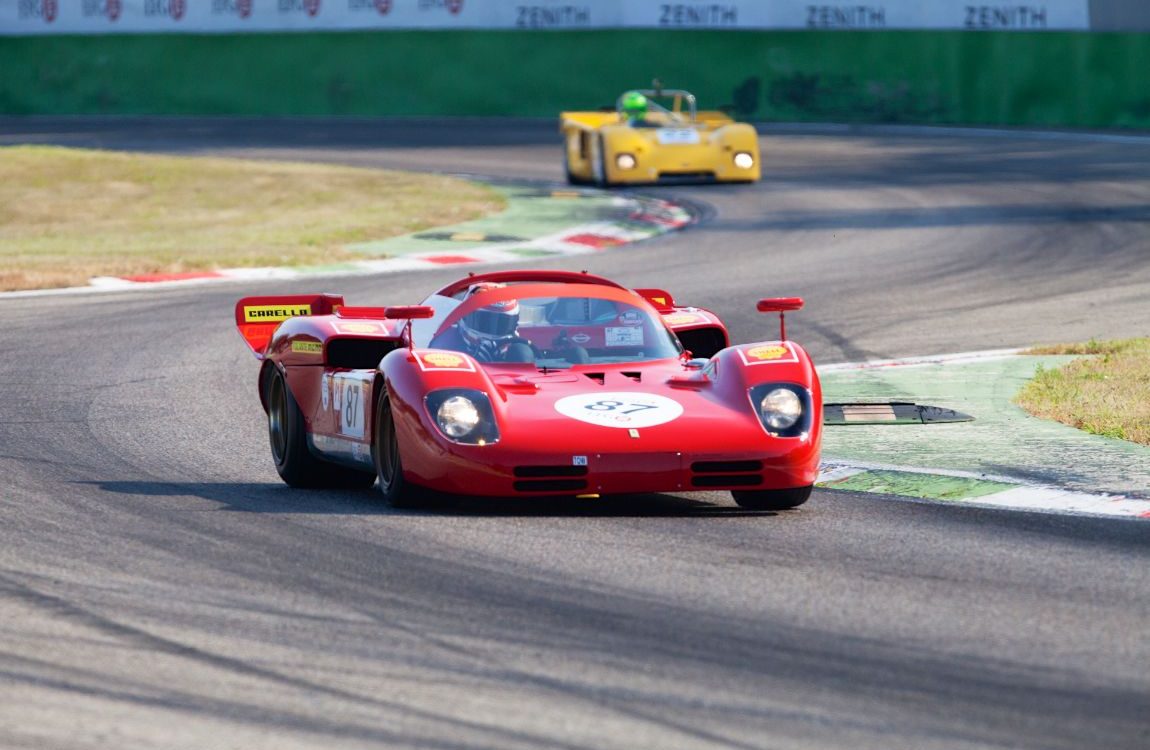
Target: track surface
160, 588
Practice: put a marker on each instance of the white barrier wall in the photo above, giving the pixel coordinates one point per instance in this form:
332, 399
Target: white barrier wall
24, 17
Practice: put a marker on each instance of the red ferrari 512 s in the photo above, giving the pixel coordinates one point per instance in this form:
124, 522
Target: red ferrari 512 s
533, 383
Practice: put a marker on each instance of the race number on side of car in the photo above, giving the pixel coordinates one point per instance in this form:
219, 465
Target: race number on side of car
347, 403
677, 136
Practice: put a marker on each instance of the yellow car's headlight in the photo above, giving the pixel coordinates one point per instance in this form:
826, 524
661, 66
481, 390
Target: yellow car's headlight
625, 161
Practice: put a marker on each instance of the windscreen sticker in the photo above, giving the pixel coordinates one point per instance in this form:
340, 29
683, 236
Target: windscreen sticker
307, 347
580, 338
631, 318
443, 361
682, 319
623, 336
273, 313
767, 354
625, 410
669, 136
349, 405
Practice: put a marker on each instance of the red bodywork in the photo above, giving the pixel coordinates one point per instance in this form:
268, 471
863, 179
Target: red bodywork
670, 424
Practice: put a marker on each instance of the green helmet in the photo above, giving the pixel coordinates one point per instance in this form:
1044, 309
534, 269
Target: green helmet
634, 104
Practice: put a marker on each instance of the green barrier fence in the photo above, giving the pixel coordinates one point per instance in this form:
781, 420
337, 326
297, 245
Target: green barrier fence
1012, 78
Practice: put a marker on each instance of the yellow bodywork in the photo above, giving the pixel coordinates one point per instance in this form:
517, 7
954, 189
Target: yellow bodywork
670, 146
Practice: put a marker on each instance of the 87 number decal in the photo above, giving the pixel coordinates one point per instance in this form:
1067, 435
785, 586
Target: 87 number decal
625, 410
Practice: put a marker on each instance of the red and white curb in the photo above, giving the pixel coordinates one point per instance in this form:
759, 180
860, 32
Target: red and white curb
646, 218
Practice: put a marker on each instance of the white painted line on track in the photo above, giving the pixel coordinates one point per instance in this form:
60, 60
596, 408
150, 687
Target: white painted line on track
938, 359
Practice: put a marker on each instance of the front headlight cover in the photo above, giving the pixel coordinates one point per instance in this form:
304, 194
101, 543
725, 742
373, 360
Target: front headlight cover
463, 415
744, 160
784, 409
625, 161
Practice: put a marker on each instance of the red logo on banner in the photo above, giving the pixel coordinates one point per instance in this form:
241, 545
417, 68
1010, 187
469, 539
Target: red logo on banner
454, 6
383, 6
311, 6
50, 9
176, 8
244, 8
113, 8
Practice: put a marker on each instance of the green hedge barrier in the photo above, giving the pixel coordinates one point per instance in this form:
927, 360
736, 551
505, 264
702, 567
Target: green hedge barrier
1053, 79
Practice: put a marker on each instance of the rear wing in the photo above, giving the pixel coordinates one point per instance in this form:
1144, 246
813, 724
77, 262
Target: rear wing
587, 120
257, 318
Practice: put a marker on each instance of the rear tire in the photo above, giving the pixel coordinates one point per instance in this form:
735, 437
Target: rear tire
385, 452
772, 499
294, 462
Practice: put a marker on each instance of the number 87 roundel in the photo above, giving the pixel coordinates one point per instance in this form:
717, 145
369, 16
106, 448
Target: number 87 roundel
533, 384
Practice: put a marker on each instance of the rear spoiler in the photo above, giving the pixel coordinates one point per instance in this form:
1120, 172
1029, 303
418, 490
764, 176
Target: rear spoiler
257, 318
660, 299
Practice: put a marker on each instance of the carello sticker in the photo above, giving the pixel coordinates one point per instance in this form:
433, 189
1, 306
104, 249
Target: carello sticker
307, 347
764, 354
274, 313
443, 361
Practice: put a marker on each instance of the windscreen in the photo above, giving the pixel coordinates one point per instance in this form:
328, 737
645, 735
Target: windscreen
559, 332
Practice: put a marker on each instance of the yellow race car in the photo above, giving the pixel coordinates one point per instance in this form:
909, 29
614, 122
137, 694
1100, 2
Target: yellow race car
643, 141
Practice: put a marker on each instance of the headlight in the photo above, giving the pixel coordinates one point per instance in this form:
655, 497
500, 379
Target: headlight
780, 409
743, 160
625, 161
457, 416
463, 415
783, 408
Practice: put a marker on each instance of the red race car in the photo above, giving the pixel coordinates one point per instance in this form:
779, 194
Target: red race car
533, 383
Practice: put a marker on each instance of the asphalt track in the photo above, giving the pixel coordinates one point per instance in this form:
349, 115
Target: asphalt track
160, 588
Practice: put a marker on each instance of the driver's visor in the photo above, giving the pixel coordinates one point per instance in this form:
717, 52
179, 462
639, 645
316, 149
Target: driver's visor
496, 324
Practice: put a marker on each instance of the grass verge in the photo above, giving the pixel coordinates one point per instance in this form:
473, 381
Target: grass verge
1106, 394
67, 215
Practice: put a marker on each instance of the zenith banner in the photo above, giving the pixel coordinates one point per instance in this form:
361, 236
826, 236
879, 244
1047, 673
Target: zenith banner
26, 17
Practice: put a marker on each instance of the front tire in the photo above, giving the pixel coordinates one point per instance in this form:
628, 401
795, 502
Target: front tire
385, 452
294, 462
772, 499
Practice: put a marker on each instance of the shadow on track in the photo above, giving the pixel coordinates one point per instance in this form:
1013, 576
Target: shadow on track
255, 497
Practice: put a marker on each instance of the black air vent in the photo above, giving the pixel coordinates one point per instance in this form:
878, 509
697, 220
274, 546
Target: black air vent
726, 467
550, 471
357, 354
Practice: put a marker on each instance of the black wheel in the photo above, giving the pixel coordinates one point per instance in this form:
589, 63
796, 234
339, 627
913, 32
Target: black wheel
288, 437
772, 499
385, 452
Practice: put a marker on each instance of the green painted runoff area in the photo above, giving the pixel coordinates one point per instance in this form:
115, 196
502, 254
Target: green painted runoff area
995, 78
1002, 441
530, 214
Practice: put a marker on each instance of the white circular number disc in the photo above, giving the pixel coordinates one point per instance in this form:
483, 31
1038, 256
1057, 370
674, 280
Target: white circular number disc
622, 410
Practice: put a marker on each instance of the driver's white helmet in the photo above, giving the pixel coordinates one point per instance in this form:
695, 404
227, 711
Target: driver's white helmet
495, 322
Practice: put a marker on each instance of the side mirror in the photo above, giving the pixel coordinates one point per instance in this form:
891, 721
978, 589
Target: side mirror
781, 305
